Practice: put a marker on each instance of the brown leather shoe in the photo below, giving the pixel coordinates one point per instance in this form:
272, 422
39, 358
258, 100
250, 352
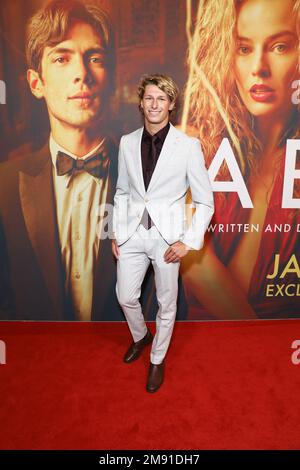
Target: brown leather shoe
136, 349
155, 377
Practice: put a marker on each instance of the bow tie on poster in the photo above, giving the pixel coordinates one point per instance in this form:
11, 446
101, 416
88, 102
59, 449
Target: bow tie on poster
97, 165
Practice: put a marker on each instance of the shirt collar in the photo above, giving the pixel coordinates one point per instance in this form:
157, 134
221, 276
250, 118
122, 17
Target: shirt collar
161, 134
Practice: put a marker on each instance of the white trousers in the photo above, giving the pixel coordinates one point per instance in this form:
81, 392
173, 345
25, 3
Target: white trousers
143, 247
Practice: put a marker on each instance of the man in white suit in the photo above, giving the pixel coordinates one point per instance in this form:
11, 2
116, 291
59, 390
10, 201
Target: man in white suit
157, 166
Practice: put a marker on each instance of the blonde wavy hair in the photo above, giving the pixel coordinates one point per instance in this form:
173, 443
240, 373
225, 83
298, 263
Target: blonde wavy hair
212, 103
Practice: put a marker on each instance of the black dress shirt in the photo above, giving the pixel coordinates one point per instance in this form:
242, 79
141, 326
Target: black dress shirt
150, 158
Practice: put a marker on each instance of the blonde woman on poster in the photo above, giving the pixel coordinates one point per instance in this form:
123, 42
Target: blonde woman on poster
241, 99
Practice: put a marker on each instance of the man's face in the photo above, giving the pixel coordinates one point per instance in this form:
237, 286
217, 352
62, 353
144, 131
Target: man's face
156, 106
74, 78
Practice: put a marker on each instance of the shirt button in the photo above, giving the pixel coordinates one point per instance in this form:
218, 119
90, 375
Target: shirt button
146, 199
79, 199
77, 275
77, 236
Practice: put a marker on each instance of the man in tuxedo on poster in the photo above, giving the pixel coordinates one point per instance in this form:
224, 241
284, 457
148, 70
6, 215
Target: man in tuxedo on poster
55, 261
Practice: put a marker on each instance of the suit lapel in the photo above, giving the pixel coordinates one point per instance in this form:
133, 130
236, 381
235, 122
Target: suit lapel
138, 160
38, 206
165, 155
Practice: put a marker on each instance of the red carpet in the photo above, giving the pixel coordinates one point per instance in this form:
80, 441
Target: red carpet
228, 386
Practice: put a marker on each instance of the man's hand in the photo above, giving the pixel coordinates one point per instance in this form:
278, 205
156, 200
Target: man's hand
175, 252
115, 249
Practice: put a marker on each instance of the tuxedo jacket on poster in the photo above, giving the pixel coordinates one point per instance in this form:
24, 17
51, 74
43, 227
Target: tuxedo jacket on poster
31, 272
180, 166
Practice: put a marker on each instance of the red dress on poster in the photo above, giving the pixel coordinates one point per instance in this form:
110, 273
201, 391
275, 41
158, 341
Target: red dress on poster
278, 304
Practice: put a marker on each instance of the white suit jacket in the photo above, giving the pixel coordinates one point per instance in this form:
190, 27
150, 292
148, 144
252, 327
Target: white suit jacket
180, 166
